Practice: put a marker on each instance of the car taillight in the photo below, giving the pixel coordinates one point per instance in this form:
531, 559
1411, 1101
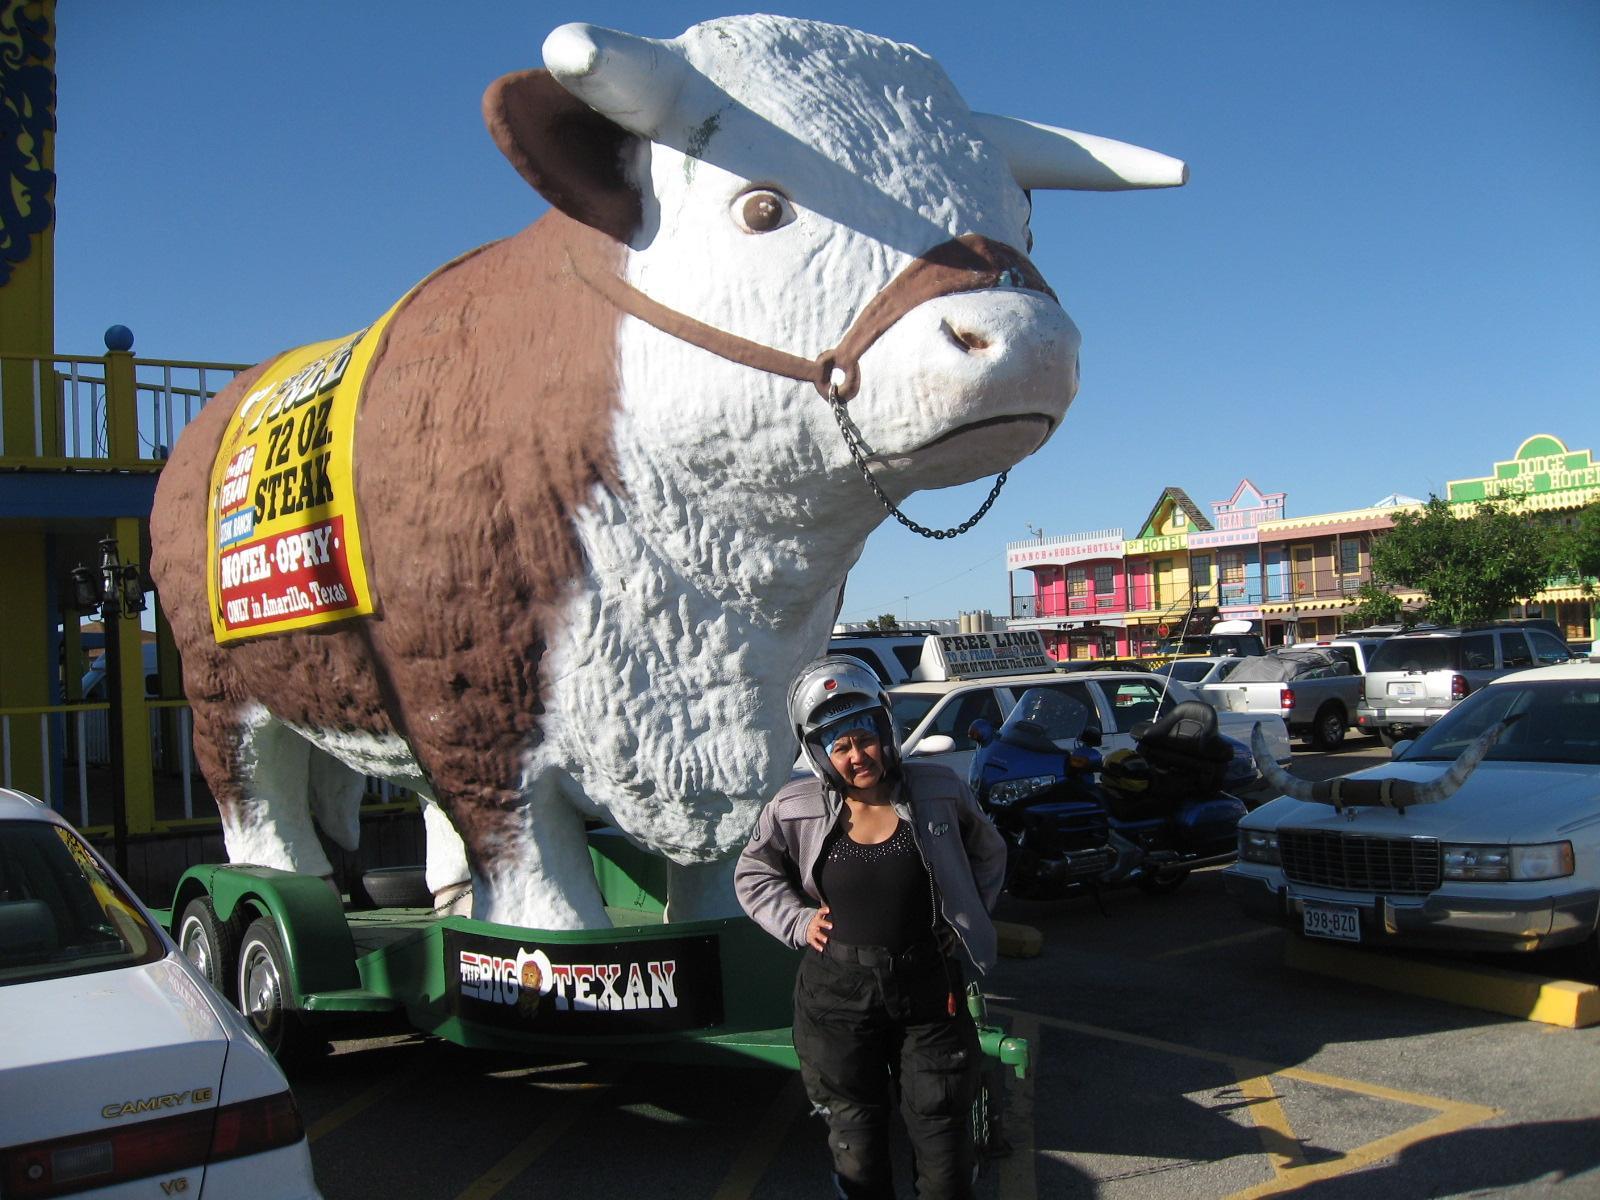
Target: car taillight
1458, 687
193, 1139
1286, 698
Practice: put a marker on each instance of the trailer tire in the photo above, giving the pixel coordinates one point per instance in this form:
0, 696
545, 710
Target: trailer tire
266, 994
212, 944
397, 887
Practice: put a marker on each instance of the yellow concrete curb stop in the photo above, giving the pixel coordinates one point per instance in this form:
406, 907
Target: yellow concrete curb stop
1564, 1002
1018, 941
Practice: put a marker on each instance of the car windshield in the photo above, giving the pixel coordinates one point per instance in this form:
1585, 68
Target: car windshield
1187, 669
1044, 715
60, 914
909, 709
1558, 720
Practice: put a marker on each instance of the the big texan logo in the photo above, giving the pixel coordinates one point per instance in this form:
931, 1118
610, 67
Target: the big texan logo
284, 542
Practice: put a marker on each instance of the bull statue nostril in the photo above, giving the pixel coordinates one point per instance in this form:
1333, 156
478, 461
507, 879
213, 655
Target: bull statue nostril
964, 338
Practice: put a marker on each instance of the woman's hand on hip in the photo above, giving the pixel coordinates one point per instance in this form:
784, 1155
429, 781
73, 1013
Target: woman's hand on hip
817, 931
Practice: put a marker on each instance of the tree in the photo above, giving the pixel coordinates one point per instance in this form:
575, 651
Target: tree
884, 623
1471, 568
1575, 548
1374, 606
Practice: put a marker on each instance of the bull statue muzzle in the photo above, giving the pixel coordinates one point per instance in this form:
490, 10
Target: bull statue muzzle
1398, 794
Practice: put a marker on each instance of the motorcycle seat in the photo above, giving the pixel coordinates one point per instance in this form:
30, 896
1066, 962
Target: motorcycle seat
1190, 729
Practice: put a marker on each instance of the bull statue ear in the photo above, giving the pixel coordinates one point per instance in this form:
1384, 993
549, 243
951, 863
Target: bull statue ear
572, 155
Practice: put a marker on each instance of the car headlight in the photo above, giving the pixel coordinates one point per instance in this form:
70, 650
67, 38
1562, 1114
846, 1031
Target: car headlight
1259, 845
1548, 860
1009, 791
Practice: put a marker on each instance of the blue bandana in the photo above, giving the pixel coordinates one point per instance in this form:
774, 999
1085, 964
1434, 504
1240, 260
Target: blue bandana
854, 723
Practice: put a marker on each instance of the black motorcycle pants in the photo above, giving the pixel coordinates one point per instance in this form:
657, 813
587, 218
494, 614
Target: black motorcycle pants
861, 1032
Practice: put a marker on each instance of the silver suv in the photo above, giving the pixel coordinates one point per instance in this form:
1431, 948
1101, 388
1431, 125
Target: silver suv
1414, 678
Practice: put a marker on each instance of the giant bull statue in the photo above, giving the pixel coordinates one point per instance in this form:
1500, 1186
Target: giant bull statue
594, 510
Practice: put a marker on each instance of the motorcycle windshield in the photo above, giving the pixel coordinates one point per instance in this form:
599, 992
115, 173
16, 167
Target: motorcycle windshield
1044, 719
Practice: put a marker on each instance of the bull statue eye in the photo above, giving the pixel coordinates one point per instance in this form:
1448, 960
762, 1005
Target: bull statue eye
762, 211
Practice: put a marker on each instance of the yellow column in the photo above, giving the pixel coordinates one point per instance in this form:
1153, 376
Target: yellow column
139, 788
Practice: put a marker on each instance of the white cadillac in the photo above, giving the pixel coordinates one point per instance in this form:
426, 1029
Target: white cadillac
119, 1063
1483, 834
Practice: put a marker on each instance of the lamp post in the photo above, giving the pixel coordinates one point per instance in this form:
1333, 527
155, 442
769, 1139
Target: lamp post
114, 590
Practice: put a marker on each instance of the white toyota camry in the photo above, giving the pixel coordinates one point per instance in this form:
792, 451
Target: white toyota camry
120, 1069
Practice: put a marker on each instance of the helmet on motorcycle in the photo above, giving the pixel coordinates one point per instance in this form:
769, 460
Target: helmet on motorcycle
1126, 772
833, 694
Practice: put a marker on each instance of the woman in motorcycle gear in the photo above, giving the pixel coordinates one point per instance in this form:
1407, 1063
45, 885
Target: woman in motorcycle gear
884, 872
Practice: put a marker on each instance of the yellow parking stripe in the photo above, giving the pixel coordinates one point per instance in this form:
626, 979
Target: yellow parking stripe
1453, 1118
379, 1091
1272, 1124
583, 1095
1252, 935
1016, 1178
1282, 1148
747, 1170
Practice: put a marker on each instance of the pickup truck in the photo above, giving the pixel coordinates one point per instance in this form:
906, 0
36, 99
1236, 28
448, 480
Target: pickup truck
1310, 687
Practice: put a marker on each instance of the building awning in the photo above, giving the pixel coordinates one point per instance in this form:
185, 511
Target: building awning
1306, 606
1309, 532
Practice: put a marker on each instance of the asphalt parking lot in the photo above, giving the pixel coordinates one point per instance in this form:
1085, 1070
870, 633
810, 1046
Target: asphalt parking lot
1175, 1055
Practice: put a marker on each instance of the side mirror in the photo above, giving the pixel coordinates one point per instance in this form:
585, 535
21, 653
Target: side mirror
1091, 735
981, 731
937, 743
1400, 749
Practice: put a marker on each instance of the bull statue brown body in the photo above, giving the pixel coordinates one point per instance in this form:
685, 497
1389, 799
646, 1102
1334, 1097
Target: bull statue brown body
605, 508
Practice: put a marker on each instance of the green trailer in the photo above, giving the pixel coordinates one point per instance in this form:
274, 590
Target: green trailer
304, 965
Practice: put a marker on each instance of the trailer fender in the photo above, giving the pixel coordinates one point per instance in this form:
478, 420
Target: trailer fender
309, 916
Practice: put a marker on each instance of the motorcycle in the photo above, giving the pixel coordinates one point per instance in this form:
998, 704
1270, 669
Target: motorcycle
1153, 815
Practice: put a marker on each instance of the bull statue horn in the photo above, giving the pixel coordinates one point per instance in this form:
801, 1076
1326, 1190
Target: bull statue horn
1042, 156
634, 81
1398, 794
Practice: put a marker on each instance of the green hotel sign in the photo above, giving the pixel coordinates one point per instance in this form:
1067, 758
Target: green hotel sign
1155, 545
1542, 465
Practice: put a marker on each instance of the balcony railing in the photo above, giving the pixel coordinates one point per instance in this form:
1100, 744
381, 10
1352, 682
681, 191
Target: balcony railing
85, 412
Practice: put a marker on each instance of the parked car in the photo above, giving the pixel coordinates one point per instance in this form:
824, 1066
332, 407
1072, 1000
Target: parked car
1356, 649
935, 716
1310, 687
1197, 672
1509, 862
1102, 664
1414, 678
120, 1063
893, 654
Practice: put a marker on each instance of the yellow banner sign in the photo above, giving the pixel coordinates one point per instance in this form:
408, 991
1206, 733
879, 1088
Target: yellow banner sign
284, 542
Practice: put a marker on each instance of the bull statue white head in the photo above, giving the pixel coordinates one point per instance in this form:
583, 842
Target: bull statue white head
603, 468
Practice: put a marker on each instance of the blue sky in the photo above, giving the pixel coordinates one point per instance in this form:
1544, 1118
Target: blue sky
1384, 274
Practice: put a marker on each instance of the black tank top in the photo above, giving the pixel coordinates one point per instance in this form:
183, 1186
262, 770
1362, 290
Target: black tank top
879, 895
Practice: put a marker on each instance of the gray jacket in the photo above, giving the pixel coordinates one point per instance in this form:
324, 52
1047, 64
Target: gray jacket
775, 878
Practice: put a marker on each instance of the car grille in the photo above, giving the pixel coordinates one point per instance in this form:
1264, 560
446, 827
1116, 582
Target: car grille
1360, 863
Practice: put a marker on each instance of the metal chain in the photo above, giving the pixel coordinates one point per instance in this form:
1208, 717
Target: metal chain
856, 448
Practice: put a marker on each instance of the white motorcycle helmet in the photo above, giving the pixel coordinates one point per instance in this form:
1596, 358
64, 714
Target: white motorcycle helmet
827, 694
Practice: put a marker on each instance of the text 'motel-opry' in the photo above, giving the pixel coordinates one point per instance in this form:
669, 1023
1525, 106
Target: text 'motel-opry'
548, 540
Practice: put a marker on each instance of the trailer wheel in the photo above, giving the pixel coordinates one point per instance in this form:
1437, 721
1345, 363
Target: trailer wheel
266, 994
211, 944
